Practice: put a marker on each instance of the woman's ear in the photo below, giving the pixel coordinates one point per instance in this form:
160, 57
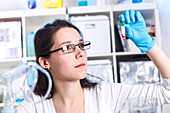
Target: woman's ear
44, 63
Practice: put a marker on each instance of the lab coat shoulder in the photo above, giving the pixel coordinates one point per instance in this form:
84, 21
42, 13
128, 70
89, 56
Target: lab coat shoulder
41, 107
26, 106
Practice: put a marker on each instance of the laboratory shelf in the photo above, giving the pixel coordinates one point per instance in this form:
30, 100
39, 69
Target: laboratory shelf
127, 53
100, 55
1, 105
89, 9
11, 14
10, 60
107, 8
136, 6
88, 55
32, 20
45, 12
30, 58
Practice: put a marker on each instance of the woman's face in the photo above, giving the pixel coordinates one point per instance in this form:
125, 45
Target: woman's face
70, 66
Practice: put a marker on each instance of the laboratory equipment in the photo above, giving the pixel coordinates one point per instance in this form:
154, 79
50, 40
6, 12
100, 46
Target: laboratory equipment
23, 70
122, 23
142, 105
123, 35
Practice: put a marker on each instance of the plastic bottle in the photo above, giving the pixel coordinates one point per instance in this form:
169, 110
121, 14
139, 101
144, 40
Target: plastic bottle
30, 45
10, 76
31, 4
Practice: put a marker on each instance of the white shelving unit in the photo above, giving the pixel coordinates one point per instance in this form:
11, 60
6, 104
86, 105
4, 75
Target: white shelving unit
32, 20
148, 10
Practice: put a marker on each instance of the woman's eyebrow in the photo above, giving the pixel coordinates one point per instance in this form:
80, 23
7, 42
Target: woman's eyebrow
66, 42
80, 40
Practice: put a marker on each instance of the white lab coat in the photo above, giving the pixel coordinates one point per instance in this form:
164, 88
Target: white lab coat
107, 97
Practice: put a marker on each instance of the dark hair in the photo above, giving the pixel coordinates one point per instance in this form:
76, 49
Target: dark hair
43, 42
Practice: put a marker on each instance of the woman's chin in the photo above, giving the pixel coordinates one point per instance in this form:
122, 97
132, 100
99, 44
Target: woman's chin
82, 75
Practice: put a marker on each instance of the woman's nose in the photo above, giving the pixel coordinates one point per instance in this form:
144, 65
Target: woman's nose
79, 52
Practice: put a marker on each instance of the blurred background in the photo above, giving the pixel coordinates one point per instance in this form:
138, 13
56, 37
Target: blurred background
163, 7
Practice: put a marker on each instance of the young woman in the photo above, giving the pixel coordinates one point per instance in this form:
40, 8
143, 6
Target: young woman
59, 48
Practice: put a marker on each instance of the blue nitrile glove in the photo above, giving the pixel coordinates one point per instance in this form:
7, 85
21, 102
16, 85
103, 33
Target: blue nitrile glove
136, 30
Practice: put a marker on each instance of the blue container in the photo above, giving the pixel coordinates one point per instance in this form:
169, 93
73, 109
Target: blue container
136, 1
31, 4
82, 2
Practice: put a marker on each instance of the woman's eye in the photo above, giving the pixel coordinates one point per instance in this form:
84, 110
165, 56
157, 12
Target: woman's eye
69, 47
66, 47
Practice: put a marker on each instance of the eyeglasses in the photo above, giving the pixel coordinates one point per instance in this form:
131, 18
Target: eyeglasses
72, 47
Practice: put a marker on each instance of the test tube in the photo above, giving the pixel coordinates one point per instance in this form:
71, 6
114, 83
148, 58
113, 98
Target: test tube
122, 23
124, 40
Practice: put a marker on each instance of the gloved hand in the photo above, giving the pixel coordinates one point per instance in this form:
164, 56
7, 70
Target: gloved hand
136, 30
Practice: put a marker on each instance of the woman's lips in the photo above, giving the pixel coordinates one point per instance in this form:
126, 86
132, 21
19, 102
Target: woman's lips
80, 65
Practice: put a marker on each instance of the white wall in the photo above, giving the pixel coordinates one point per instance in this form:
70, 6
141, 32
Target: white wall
164, 14
12, 4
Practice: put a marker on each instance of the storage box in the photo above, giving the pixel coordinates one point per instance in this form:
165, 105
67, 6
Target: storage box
137, 72
100, 70
10, 39
95, 29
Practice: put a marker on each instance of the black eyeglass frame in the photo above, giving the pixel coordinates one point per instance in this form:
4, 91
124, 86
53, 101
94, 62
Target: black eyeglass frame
79, 45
